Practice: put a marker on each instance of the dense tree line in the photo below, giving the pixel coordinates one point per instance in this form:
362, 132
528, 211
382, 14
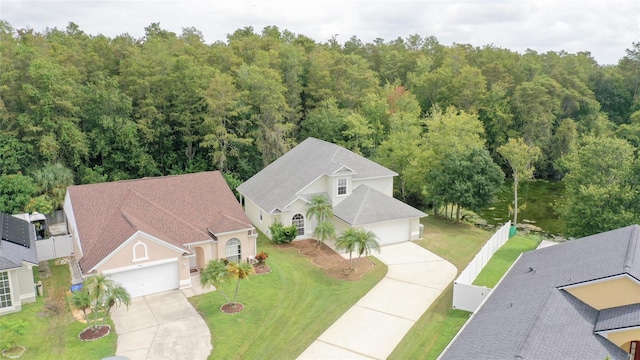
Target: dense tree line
117, 108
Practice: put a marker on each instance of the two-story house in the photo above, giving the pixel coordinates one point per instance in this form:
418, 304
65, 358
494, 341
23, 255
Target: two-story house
360, 190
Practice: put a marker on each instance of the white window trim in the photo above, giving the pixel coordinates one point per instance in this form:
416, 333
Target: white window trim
146, 252
304, 224
346, 187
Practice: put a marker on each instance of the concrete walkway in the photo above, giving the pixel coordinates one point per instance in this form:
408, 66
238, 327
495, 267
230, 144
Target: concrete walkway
161, 326
376, 324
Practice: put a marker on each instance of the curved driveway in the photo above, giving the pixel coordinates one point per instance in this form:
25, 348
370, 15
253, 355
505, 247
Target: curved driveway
161, 326
373, 327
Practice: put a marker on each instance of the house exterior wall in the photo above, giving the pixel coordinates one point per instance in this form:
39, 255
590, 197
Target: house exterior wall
317, 186
247, 245
26, 288
332, 188
607, 294
382, 184
72, 227
298, 207
155, 252
622, 338
253, 213
415, 229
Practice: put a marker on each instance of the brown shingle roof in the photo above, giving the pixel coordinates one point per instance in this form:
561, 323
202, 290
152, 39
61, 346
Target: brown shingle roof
178, 209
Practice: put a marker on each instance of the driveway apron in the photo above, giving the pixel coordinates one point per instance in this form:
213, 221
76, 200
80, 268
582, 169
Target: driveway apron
376, 324
161, 326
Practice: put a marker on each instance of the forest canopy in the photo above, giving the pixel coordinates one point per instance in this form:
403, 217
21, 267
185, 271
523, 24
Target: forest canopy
109, 109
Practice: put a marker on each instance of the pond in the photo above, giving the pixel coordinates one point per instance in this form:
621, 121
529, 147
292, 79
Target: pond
539, 197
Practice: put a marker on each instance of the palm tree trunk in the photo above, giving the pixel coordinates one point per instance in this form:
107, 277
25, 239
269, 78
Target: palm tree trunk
235, 297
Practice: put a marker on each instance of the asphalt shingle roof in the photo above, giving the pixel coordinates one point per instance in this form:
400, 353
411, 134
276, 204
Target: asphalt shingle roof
178, 209
278, 184
528, 317
619, 317
366, 205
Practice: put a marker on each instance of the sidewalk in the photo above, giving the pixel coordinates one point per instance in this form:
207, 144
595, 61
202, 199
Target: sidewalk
375, 325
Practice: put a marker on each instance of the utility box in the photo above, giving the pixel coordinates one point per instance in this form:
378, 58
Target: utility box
39, 288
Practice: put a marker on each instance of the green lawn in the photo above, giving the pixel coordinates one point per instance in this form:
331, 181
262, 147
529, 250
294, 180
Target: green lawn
502, 260
285, 310
457, 243
53, 332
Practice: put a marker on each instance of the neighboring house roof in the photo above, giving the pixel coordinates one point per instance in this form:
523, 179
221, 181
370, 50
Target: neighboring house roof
528, 316
278, 184
17, 244
366, 205
179, 209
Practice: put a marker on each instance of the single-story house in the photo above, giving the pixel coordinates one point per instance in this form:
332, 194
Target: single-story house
360, 190
575, 300
17, 258
150, 234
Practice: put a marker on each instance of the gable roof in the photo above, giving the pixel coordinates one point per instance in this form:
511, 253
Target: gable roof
366, 205
17, 242
178, 209
277, 184
527, 316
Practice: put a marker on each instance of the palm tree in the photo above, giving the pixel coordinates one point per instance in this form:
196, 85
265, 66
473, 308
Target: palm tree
324, 231
365, 242
81, 300
215, 274
116, 296
240, 271
54, 180
347, 242
321, 209
98, 287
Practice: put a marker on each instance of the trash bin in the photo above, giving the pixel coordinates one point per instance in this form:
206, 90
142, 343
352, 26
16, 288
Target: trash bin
512, 231
39, 288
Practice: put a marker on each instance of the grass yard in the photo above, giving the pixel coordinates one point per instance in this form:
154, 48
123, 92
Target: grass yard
457, 243
285, 310
502, 260
53, 331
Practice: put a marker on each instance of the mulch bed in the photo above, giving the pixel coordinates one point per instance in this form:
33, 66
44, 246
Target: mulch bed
232, 308
261, 268
334, 264
89, 334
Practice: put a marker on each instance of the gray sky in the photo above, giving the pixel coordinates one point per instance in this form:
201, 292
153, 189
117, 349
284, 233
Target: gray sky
604, 27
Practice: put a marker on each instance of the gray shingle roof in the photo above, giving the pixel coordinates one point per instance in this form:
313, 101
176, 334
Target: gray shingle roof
619, 317
276, 185
12, 255
366, 205
528, 317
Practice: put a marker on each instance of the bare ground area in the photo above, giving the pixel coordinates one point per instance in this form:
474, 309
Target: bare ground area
334, 264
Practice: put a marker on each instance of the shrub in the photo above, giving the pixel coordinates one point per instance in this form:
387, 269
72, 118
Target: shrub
262, 257
12, 331
282, 234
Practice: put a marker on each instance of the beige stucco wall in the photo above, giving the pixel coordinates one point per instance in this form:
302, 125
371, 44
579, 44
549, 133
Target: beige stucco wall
623, 338
384, 184
155, 252
71, 225
317, 186
25, 283
607, 294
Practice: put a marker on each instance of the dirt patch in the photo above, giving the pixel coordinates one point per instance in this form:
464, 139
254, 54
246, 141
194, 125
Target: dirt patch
334, 264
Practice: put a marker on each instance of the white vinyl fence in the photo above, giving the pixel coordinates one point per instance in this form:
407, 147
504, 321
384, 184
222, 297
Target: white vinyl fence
54, 247
466, 296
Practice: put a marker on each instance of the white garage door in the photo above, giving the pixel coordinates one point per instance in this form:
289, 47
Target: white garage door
391, 232
149, 279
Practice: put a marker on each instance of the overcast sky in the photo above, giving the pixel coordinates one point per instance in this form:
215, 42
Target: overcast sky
604, 27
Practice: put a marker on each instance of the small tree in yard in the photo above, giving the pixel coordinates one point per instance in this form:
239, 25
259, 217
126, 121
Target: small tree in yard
357, 240
11, 330
240, 271
321, 209
215, 273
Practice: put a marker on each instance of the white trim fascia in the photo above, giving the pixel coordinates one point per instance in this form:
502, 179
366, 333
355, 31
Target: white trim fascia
473, 314
139, 266
601, 280
129, 240
379, 222
200, 242
234, 231
309, 184
334, 174
74, 224
605, 333
377, 177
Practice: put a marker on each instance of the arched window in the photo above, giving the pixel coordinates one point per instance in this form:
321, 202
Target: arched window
140, 252
298, 221
233, 250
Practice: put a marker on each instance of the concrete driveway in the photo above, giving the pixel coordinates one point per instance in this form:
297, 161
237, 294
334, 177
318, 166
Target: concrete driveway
373, 327
161, 326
